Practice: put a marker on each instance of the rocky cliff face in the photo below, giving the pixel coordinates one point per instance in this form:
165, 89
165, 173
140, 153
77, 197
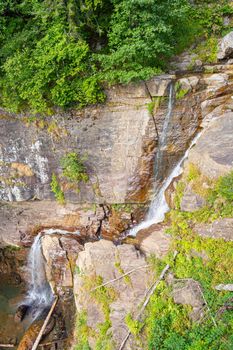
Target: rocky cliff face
121, 141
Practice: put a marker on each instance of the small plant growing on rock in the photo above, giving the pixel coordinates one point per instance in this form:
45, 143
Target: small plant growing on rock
225, 186
73, 168
180, 92
56, 189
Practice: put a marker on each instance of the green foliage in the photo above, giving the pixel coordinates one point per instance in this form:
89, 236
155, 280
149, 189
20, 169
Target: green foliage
73, 168
206, 260
207, 50
81, 332
134, 325
154, 104
45, 59
56, 189
224, 187
180, 93
57, 53
142, 36
210, 15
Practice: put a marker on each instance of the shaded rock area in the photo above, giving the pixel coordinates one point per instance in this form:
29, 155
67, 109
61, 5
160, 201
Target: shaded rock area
20, 222
154, 241
221, 228
108, 261
189, 293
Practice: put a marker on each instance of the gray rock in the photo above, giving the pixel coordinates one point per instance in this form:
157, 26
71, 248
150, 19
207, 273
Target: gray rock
154, 241
222, 228
99, 259
212, 153
225, 49
191, 201
227, 287
188, 292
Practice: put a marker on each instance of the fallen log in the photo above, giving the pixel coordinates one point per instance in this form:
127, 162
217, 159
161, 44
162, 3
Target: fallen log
38, 339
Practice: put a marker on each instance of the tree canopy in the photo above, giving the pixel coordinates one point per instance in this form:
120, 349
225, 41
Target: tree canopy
57, 53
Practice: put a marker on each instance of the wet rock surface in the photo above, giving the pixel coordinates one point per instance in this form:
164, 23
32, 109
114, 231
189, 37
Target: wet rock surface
60, 254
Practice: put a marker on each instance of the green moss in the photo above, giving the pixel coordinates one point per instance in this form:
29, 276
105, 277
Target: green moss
117, 265
82, 332
206, 260
179, 194
103, 296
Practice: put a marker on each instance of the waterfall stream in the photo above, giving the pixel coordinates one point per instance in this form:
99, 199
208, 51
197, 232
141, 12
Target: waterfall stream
40, 295
163, 137
159, 207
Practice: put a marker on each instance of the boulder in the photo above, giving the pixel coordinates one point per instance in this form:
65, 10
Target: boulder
222, 228
227, 287
59, 261
212, 153
191, 201
154, 241
188, 292
158, 86
225, 49
104, 259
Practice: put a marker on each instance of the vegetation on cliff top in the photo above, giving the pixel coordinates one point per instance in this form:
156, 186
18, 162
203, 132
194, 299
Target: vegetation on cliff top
59, 53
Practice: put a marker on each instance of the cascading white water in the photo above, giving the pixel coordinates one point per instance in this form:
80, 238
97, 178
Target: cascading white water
159, 206
40, 294
163, 137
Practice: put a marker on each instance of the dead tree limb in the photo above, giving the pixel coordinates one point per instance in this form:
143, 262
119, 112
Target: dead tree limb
118, 278
151, 292
38, 339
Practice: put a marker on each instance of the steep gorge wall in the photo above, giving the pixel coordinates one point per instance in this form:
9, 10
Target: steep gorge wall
120, 140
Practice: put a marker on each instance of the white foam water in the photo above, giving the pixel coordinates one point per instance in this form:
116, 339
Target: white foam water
40, 294
163, 137
159, 206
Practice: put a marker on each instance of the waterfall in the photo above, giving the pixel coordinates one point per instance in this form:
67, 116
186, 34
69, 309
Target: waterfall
40, 294
159, 206
163, 137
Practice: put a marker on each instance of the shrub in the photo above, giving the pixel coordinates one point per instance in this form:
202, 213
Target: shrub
56, 189
224, 186
73, 168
